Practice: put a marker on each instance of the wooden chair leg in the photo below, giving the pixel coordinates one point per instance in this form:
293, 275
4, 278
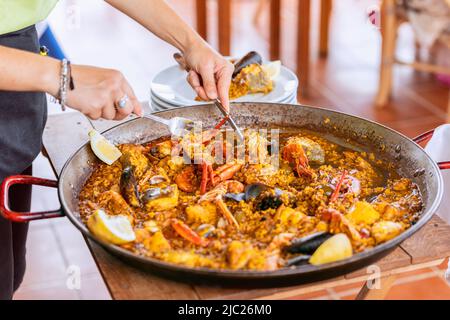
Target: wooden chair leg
388, 33
303, 37
258, 12
377, 294
275, 27
224, 21
202, 18
325, 14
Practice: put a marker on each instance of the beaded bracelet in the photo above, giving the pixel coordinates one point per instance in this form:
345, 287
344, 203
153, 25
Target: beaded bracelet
63, 84
66, 83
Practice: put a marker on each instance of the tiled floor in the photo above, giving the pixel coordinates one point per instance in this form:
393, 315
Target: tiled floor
346, 81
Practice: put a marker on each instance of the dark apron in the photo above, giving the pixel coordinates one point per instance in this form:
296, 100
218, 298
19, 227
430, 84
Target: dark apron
22, 114
22, 120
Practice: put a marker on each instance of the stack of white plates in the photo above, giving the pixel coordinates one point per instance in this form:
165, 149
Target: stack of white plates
169, 89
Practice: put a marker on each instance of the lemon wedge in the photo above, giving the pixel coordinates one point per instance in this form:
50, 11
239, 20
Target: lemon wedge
338, 247
272, 69
102, 148
112, 229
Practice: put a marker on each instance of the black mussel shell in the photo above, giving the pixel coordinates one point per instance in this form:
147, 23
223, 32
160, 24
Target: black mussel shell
154, 193
372, 198
251, 191
252, 57
269, 202
154, 151
254, 190
308, 244
128, 187
238, 197
157, 179
206, 230
151, 194
278, 192
298, 260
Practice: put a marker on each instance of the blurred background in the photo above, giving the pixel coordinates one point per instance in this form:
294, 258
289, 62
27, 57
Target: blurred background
336, 49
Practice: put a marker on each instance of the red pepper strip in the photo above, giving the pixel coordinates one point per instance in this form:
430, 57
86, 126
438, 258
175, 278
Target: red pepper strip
204, 178
335, 194
221, 123
187, 233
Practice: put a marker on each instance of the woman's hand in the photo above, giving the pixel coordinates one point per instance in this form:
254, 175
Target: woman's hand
210, 73
98, 91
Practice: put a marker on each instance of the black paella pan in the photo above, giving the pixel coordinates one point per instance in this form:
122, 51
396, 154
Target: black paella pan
413, 163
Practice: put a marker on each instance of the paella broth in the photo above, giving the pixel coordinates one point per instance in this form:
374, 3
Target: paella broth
320, 189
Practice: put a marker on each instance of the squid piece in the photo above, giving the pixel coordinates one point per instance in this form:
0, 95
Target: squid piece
161, 199
363, 213
157, 243
289, 217
202, 213
189, 259
340, 224
239, 254
114, 203
383, 231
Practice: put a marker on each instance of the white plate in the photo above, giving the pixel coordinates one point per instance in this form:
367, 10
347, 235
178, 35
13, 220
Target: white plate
159, 105
170, 86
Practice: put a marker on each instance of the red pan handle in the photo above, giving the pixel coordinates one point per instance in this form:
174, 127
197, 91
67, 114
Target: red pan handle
425, 137
25, 216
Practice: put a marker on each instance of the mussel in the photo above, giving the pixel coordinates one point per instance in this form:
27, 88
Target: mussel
308, 244
157, 179
128, 187
269, 202
300, 259
155, 193
251, 191
160, 199
265, 200
205, 230
252, 57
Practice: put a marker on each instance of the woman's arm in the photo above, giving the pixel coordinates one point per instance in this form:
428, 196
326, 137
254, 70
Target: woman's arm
26, 71
211, 73
96, 91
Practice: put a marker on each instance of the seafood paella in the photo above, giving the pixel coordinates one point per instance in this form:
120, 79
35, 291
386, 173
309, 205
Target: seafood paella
308, 199
251, 76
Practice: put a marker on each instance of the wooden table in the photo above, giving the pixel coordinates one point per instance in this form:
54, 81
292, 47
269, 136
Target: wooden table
65, 133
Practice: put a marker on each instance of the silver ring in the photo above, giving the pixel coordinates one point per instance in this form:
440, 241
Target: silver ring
123, 102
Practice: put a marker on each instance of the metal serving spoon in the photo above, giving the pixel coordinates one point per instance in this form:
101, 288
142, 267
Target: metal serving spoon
177, 125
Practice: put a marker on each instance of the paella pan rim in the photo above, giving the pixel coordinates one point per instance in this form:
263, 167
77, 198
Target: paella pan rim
300, 273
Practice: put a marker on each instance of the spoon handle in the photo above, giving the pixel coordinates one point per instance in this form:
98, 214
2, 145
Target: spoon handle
157, 119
